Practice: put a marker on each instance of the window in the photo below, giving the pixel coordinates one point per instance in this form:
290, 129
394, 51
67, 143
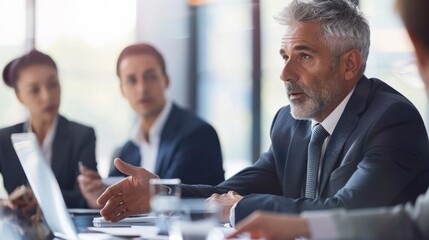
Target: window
224, 77
273, 95
85, 39
12, 44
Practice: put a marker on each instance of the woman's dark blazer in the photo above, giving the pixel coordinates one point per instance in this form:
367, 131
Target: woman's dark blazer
72, 143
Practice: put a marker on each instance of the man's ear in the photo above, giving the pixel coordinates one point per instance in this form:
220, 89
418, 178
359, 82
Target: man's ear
352, 62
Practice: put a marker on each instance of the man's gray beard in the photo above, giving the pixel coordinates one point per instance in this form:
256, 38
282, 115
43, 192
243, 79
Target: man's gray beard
300, 114
317, 103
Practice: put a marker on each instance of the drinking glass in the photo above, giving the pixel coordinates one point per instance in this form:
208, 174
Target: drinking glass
197, 219
164, 201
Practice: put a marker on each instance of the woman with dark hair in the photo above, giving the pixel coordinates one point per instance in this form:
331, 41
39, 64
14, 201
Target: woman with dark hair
34, 78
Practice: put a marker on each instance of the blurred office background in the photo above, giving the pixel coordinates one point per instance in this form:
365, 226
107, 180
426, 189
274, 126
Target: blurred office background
222, 57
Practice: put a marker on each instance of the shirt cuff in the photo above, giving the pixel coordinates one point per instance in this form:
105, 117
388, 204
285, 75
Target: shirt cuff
321, 224
232, 215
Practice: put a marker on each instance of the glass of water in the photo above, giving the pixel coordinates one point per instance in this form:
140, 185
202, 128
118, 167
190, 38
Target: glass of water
164, 201
198, 218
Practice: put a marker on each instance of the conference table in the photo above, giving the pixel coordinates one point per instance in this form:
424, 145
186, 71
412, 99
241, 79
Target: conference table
15, 226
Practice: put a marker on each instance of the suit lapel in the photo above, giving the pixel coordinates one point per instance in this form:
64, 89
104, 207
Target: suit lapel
344, 129
60, 147
296, 160
171, 127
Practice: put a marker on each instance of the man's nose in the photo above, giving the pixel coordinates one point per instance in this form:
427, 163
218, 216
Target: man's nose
288, 73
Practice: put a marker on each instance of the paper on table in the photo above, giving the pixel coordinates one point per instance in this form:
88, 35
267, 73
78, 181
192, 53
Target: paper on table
146, 232
99, 236
140, 220
117, 231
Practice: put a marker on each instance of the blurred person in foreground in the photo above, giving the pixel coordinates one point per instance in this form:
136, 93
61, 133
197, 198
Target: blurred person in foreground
344, 140
34, 78
167, 139
400, 222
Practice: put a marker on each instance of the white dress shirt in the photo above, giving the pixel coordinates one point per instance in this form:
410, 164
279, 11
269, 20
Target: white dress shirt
329, 124
149, 149
320, 224
48, 141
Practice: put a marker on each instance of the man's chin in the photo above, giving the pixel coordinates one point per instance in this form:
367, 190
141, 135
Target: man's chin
300, 113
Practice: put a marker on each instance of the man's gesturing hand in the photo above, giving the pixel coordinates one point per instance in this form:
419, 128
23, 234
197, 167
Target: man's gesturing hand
129, 196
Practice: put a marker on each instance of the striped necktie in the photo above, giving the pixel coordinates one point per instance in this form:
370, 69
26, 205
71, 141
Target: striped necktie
318, 136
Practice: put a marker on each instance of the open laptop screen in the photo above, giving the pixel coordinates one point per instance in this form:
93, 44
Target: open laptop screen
44, 185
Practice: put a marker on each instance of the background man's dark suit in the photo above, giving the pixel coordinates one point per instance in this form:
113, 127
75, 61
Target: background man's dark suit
189, 149
73, 142
374, 157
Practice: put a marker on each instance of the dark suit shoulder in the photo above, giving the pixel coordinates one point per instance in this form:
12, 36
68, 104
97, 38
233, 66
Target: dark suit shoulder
382, 91
73, 126
186, 121
78, 132
384, 99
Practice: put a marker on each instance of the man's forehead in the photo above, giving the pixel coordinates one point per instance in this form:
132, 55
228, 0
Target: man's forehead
305, 33
300, 28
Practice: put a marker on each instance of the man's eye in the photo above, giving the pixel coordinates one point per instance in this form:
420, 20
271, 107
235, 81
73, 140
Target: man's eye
285, 58
305, 56
34, 91
150, 77
131, 80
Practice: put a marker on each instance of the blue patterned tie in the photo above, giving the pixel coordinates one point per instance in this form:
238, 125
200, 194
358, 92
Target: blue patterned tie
318, 136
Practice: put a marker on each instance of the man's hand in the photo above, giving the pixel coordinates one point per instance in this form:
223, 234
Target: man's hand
272, 226
90, 185
227, 200
129, 196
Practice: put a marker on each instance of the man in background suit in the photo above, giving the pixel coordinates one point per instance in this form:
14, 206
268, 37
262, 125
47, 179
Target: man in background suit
400, 222
366, 160
167, 140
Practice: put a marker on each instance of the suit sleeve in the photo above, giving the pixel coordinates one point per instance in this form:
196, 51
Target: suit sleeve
198, 159
400, 222
388, 162
85, 152
260, 178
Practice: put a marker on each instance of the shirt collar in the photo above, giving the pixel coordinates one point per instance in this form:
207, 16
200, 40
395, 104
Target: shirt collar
137, 136
331, 121
49, 138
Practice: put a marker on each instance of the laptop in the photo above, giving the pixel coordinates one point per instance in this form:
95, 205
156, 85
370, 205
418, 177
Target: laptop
46, 189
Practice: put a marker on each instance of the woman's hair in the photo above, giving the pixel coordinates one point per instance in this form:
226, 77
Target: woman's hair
141, 48
34, 57
343, 26
415, 15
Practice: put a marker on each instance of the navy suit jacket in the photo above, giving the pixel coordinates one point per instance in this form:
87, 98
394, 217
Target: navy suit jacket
376, 156
72, 143
189, 149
